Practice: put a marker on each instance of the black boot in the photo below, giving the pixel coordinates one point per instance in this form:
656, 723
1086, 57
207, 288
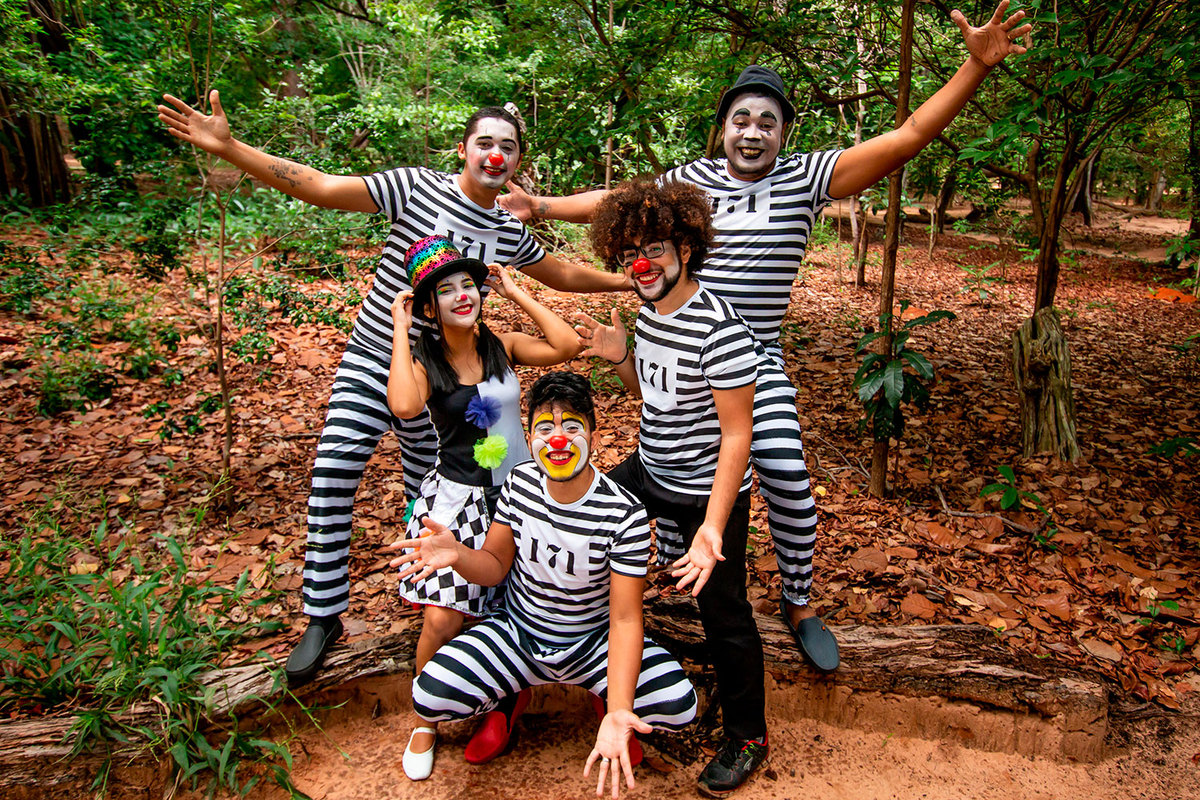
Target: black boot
305, 661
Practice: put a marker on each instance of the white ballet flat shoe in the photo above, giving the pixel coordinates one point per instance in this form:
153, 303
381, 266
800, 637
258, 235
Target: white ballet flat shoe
419, 766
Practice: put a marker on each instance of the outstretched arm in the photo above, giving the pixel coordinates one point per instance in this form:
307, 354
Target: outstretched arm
864, 165
565, 276
572, 208
210, 132
437, 548
559, 341
624, 666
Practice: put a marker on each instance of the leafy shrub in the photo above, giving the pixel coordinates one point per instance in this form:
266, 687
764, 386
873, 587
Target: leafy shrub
103, 629
72, 383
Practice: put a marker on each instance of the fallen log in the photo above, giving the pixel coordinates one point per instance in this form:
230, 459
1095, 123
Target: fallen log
932, 680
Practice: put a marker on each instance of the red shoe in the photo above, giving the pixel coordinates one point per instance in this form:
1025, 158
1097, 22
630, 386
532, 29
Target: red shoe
494, 734
635, 747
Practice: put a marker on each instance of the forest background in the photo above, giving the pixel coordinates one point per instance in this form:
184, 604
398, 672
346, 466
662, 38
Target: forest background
151, 293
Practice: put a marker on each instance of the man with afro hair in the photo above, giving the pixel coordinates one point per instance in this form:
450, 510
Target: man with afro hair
694, 363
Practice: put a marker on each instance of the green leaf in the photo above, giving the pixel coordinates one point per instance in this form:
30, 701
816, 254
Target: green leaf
893, 382
1010, 498
1007, 473
919, 363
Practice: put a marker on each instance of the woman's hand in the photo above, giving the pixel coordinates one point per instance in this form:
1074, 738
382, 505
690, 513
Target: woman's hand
500, 280
402, 308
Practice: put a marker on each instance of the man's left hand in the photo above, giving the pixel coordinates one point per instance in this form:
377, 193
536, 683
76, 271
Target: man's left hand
993, 42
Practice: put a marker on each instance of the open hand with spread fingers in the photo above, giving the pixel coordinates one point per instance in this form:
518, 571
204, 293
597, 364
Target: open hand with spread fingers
609, 342
436, 548
209, 132
997, 38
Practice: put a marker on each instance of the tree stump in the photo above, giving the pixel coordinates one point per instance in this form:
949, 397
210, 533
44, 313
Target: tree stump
1042, 370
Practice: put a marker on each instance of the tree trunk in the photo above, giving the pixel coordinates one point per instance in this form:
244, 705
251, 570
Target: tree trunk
1042, 370
891, 242
1158, 184
1193, 163
860, 247
1053, 212
1081, 201
945, 197
31, 156
1060, 711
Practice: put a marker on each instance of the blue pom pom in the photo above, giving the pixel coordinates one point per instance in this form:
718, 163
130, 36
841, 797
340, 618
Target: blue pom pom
483, 412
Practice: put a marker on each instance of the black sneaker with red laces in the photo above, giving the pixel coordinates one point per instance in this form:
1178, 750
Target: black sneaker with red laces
733, 764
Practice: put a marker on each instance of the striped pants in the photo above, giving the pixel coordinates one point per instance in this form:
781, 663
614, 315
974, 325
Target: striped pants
777, 454
358, 417
492, 660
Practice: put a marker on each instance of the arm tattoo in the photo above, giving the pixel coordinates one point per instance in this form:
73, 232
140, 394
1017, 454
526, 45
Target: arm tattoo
284, 170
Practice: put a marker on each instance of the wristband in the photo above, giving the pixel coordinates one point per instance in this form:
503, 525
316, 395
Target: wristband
624, 358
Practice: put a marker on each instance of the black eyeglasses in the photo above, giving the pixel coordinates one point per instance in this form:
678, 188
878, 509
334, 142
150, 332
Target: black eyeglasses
649, 250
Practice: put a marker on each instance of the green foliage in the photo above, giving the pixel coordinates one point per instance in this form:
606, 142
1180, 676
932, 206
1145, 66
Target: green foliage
1013, 497
160, 241
27, 278
1187, 446
1168, 636
887, 381
71, 383
253, 302
978, 280
98, 627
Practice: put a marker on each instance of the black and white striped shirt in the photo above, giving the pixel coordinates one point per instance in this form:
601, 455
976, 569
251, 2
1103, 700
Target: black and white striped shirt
762, 231
421, 202
559, 583
680, 359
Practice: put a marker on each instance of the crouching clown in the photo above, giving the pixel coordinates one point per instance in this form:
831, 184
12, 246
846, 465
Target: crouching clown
574, 546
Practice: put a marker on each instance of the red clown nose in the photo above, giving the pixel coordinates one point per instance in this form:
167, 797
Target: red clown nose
641, 265
558, 442
496, 160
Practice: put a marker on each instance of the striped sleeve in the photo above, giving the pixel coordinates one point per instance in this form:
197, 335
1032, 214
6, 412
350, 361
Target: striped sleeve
630, 552
390, 190
728, 357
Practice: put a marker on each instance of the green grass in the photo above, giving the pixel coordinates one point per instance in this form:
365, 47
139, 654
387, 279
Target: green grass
93, 627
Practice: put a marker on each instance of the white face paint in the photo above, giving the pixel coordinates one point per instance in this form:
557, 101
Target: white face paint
491, 152
457, 300
653, 278
559, 442
753, 134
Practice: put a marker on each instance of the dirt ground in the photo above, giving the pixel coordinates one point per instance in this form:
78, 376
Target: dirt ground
1128, 527
357, 757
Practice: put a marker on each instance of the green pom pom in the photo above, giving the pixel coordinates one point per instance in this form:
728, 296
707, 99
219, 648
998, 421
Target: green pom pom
490, 452
408, 511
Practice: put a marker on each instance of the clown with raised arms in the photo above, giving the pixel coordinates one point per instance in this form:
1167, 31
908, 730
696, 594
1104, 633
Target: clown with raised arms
574, 547
419, 202
764, 207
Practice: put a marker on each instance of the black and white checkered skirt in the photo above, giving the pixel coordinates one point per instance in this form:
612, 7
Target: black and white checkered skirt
443, 498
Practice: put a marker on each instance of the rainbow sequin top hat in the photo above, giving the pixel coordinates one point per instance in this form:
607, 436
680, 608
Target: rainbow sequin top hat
429, 260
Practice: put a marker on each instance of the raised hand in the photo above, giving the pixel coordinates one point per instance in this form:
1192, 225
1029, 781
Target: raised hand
697, 563
612, 750
436, 548
402, 311
517, 202
998, 37
603, 341
209, 132
501, 281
